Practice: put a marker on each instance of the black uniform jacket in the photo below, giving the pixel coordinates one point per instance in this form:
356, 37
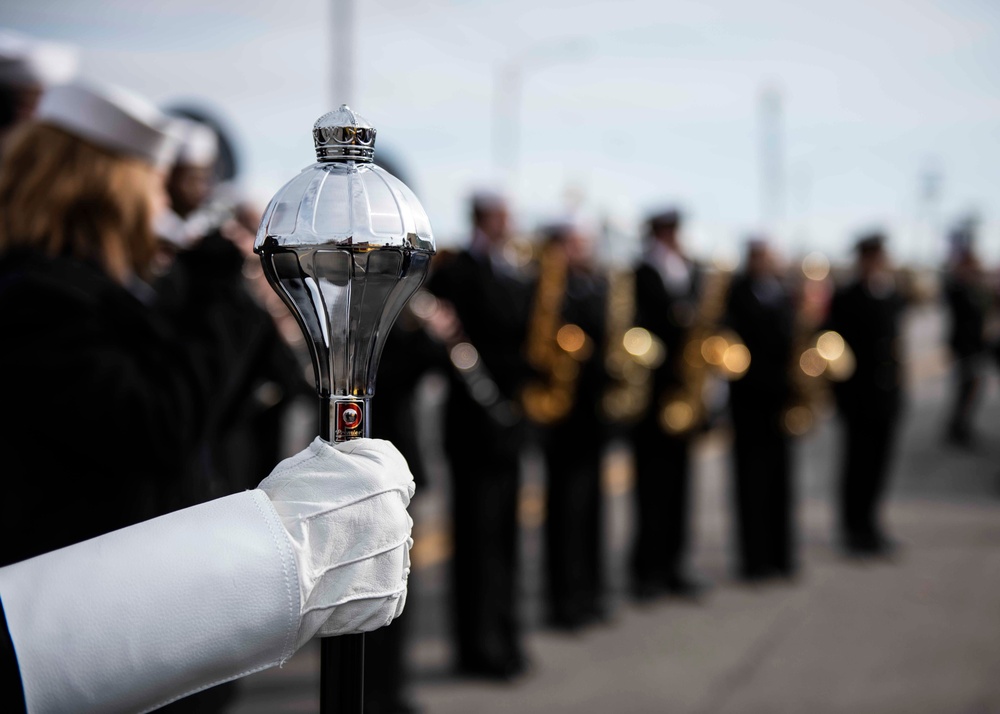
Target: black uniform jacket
492, 307
870, 325
585, 305
762, 316
669, 317
106, 398
967, 305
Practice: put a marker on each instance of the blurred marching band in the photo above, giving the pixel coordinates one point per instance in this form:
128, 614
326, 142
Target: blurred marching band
547, 351
545, 348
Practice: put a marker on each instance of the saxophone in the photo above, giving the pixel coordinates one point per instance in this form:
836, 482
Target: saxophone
818, 357
707, 348
556, 350
632, 354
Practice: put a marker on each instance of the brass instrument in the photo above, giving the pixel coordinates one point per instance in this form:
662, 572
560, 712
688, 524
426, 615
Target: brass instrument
632, 354
554, 348
816, 355
466, 361
824, 355
707, 347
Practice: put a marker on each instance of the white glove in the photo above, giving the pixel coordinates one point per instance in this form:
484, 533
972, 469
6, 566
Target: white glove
344, 507
134, 619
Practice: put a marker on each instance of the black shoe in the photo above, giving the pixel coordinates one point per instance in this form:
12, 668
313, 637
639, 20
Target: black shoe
567, 623
886, 547
599, 613
869, 546
686, 588
754, 576
858, 547
399, 707
644, 591
788, 573
503, 670
962, 438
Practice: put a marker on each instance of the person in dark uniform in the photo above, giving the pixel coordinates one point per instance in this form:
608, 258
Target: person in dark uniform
867, 315
243, 439
489, 299
759, 310
667, 289
968, 302
409, 353
128, 385
574, 444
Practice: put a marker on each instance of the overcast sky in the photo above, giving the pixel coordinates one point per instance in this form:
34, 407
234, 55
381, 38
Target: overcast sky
630, 104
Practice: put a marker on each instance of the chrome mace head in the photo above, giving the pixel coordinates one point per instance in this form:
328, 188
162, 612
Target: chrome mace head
344, 135
345, 244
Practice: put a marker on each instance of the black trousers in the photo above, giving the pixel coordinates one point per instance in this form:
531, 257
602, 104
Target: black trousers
485, 464
574, 555
967, 379
868, 442
762, 495
662, 489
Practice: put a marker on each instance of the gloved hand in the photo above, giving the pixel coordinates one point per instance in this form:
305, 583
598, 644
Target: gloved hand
139, 617
344, 507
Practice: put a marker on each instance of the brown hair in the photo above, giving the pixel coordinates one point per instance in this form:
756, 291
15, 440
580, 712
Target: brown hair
64, 196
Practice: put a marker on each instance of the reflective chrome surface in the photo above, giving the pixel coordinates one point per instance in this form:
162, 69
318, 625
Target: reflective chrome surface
345, 244
344, 135
346, 203
345, 299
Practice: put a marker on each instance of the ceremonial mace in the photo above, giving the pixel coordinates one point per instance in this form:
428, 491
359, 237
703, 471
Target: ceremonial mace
345, 244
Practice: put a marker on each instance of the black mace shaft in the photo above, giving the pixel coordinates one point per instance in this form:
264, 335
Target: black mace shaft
342, 659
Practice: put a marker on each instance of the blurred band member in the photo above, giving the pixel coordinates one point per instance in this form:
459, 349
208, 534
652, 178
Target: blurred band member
667, 289
867, 314
190, 183
760, 311
490, 299
27, 67
574, 446
132, 382
968, 301
408, 355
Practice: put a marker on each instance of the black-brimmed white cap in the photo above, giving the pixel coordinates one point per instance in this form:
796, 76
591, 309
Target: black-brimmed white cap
112, 118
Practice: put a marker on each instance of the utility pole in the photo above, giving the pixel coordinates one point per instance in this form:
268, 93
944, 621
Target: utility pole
930, 184
506, 129
343, 50
772, 174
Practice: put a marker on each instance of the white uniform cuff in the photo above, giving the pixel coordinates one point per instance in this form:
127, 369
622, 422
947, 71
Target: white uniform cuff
134, 619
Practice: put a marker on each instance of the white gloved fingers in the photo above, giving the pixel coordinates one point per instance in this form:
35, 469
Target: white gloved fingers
338, 537
344, 508
406, 578
357, 597
384, 456
339, 474
359, 616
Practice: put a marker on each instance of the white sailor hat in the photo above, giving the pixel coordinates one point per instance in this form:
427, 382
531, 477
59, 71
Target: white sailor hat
112, 118
27, 61
198, 143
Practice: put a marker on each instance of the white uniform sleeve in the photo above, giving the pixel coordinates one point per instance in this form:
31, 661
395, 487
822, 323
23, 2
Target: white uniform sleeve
134, 619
